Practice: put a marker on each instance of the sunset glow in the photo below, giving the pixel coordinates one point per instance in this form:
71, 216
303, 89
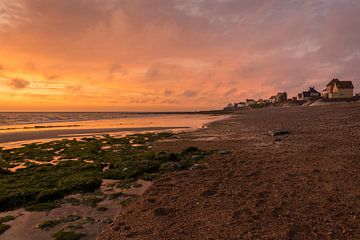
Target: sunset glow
170, 55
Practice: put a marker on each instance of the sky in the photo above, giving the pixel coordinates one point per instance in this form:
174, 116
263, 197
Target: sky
171, 55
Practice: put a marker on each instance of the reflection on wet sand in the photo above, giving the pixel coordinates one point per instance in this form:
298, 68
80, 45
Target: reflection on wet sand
18, 135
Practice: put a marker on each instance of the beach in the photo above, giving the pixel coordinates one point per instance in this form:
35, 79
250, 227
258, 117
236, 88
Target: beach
278, 173
68, 180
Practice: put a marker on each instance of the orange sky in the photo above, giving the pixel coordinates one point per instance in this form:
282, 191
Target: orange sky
149, 55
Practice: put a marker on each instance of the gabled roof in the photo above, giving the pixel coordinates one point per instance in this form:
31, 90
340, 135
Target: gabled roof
332, 82
311, 92
344, 85
339, 84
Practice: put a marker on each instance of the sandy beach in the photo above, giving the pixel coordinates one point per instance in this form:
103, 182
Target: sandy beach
300, 185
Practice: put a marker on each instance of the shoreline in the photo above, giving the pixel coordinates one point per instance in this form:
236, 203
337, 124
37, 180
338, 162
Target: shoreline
25, 134
126, 115
49, 135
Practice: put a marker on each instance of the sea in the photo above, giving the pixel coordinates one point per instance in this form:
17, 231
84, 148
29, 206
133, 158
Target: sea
17, 128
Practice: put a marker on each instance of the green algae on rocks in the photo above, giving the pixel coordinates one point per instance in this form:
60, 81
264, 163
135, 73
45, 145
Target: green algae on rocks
5, 227
67, 235
51, 170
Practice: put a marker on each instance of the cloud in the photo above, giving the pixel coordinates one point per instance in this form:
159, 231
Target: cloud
73, 88
18, 83
190, 93
229, 49
116, 71
230, 92
168, 92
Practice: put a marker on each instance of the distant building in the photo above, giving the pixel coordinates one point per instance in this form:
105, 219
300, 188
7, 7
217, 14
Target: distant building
309, 95
239, 105
272, 99
281, 97
338, 89
250, 102
230, 106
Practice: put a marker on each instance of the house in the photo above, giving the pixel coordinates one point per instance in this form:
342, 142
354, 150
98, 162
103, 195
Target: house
311, 94
272, 99
281, 97
250, 102
239, 105
230, 106
338, 89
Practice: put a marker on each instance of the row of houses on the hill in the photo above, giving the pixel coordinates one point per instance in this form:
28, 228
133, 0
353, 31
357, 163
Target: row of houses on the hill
335, 89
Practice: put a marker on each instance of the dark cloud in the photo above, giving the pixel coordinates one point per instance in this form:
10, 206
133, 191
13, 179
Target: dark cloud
18, 83
115, 69
168, 92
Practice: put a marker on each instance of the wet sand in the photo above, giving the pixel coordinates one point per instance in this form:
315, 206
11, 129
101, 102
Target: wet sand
73, 133
16, 135
304, 185
91, 221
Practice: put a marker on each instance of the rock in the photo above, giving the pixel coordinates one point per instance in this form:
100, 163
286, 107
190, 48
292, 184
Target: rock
164, 212
107, 220
169, 166
224, 152
279, 132
88, 219
208, 193
295, 232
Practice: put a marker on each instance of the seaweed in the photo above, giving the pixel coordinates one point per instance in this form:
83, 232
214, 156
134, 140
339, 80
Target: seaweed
92, 201
67, 235
80, 167
101, 209
43, 184
39, 207
6, 219
3, 228
53, 223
